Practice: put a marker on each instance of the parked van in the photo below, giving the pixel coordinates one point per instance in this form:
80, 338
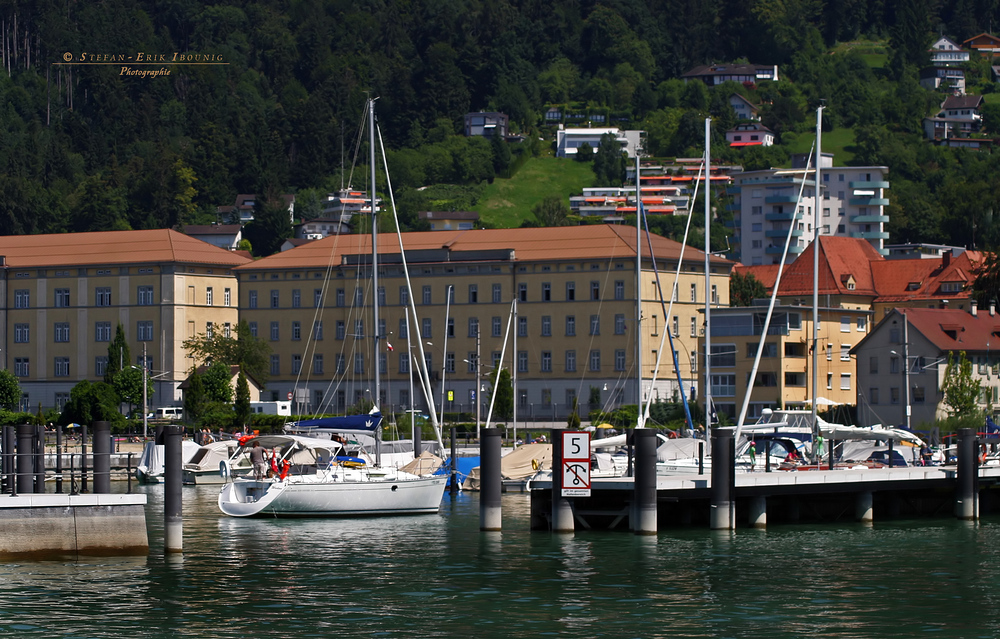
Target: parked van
169, 413
271, 408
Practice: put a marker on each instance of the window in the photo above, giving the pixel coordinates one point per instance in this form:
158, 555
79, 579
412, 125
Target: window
570, 325
522, 326
694, 361
227, 297
723, 385
318, 330
595, 324
570, 291
425, 329
522, 292
546, 365
723, 355
380, 295
918, 394
296, 331
595, 360
694, 292
546, 292
22, 298
62, 297
756, 210
62, 332
274, 299
296, 298
341, 364
894, 365
496, 325
595, 291
22, 366
359, 363
274, 331
144, 331
794, 321
522, 361
829, 352
451, 294
383, 367
873, 365
694, 327
546, 325
341, 297
22, 333
829, 381
359, 328
404, 363
209, 297
253, 328
619, 289
404, 296
497, 293
145, 296
715, 294
570, 361
675, 326
756, 227
100, 365
845, 352
862, 324
620, 324
341, 329
620, 359
209, 329
873, 395
275, 364
61, 367
845, 381
296, 364
359, 296
252, 299
426, 294
894, 395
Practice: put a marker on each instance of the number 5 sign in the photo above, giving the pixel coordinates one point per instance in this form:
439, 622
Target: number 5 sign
575, 464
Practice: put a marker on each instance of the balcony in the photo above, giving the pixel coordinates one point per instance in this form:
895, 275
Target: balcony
776, 250
871, 235
734, 207
874, 184
781, 199
783, 233
869, 219
868, 201
732, 224
782, 217
733, 190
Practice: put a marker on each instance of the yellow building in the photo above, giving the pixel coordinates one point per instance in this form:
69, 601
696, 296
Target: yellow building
575, 323
63, 296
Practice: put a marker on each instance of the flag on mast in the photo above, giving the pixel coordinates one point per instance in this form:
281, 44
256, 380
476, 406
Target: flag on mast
388, 345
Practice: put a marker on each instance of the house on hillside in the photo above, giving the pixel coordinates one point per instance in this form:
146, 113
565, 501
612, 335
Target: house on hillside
713, 74
242, 211
750, 134
947, 51
225, 236
568, 140
743, 108
986, 44
959, 117
487, 125
450, 220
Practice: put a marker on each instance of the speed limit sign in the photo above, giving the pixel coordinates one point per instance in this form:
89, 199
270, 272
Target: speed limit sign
575, 464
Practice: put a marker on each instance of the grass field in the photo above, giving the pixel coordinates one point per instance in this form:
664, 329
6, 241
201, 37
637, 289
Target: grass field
837, 142
505, 203
873, 52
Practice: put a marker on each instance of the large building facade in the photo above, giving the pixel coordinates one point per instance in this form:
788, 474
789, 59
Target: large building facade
575, 322
63, 296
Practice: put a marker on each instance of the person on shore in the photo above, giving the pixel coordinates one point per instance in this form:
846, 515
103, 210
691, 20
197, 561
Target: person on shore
753, 455
258, 457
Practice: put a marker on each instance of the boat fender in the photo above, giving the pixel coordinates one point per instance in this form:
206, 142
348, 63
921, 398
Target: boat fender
274, 463
224, 470
285, 466
535, 465
242, 441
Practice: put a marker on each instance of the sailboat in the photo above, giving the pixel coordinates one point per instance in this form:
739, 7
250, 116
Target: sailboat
318, 477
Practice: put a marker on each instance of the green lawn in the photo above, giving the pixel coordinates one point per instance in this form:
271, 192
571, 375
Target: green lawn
505, 203
873, 52
837, 142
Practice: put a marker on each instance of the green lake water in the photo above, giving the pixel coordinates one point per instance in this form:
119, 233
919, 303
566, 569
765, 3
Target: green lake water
438, 576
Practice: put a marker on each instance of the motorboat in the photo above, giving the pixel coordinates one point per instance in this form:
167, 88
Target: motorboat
150, 467
203, 468
316, 478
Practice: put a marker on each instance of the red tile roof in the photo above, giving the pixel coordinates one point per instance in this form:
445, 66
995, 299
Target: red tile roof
598, 241
112, 247
955, 330
905, 280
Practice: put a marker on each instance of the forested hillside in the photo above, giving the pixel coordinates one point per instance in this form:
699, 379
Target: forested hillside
84, 147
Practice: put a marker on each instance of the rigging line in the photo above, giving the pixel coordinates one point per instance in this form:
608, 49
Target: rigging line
774, 297
673, 295
499, 366
422, 360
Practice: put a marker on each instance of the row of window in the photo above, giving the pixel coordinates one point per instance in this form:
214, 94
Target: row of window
358, 362
60, 365
102, 332
102, 297
340, 295
724, 385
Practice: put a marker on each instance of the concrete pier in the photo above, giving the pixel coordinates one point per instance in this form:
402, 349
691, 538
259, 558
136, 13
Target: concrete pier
758, 512
864, 512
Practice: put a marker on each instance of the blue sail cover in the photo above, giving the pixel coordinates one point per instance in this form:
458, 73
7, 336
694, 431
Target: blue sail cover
369, 422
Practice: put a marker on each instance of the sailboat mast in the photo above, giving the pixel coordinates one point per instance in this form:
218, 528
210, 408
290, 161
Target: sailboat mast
817, 202
638, 293
708, 281
375, 336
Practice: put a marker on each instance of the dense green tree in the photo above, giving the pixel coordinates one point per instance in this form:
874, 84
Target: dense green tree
119, 356
552, 211
90, 402
241, 406
218, 382
128, 385
241, 348
194, 397
744, 289
609, 162
960, 389
271, 226
10, 390
502, 387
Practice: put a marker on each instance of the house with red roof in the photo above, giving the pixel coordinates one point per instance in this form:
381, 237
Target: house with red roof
903, 362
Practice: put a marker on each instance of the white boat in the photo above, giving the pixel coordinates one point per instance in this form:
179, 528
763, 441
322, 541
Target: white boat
316, 480
150, 468
203, 468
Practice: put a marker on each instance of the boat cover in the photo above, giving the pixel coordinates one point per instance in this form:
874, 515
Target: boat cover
365, 423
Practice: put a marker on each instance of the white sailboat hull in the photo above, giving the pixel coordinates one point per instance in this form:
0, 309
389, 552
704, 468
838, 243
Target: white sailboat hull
319, 496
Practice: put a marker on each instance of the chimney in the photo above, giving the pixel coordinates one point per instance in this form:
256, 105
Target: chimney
946, 258
973, 308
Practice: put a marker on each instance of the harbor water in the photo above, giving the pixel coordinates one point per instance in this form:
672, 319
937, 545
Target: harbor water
438, 576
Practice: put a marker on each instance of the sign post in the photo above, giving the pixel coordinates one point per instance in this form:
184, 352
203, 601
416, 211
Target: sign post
575, 464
